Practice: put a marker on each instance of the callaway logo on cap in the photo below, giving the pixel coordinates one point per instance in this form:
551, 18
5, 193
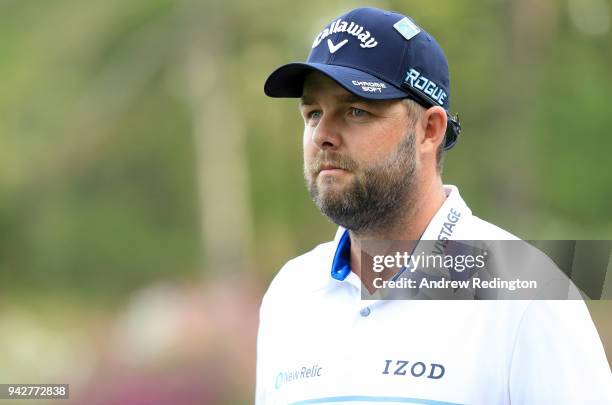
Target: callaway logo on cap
374, 54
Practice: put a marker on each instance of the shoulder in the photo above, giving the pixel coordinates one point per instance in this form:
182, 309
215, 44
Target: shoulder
558, 356
470, 227
476, 228
301, 275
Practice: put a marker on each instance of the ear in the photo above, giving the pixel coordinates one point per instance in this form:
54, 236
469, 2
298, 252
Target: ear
433, 124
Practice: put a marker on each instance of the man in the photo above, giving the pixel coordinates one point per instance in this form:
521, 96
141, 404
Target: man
375, 100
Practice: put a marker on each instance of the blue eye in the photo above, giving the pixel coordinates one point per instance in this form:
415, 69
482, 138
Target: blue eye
314, 114
358, 112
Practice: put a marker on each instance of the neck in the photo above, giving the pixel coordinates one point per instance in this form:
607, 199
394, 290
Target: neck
411, 224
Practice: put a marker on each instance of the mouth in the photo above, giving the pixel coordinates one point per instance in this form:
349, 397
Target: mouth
330, 169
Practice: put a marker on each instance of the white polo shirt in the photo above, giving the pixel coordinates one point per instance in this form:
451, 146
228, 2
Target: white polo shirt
319, 343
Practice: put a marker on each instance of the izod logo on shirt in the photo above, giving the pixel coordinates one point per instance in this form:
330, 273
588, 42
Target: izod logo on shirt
414, 369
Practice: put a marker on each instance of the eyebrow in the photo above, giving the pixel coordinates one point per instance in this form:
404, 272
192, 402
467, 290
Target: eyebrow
344, 98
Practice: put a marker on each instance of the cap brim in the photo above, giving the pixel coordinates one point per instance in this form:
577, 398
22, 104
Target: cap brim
288, 81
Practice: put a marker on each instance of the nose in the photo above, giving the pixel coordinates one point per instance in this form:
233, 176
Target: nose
327, 133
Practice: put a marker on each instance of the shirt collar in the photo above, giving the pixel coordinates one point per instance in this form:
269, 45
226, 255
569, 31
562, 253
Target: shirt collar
341, 266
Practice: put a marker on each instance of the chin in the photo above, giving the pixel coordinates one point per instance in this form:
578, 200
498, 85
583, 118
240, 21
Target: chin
333, 180
331, 190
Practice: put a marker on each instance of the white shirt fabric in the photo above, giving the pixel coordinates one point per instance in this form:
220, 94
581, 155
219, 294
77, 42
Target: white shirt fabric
320, 343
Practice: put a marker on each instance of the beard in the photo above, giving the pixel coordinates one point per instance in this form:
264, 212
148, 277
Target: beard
376, 198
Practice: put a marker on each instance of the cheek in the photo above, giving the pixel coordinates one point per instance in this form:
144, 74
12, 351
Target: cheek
308, 146
306, 138
388, 136
372, 150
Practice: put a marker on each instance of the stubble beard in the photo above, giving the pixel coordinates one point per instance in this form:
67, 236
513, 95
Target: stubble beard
376, 197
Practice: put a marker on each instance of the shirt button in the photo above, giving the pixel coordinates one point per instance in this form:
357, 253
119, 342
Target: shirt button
365, 311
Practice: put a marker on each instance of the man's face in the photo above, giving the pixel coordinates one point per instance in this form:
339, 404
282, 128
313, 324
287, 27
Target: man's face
359, 155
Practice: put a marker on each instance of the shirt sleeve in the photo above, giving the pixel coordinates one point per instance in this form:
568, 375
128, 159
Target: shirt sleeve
558, 357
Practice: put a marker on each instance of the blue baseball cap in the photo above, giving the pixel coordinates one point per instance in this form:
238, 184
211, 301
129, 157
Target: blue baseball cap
378, 55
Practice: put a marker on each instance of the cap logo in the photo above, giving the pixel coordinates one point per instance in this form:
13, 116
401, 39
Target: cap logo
373, 87
356, 30
407, 28
416, 80
333, 48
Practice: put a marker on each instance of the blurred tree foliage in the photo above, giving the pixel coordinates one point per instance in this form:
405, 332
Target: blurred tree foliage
101, 165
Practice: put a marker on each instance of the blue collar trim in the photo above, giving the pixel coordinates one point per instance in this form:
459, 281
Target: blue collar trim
341, 266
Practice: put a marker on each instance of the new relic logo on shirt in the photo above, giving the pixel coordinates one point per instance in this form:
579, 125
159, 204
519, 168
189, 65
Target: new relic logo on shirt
299, 373
359, 32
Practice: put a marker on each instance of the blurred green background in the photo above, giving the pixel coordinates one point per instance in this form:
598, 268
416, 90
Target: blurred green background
149, 191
